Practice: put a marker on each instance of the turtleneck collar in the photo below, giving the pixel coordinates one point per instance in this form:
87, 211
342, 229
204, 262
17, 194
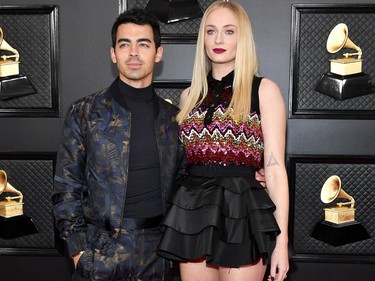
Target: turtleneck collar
119, 94
136, 94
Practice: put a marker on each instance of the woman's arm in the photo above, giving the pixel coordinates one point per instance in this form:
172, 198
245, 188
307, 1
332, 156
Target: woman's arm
273, 120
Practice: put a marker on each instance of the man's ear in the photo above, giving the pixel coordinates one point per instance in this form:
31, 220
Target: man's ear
113, 55
159, 54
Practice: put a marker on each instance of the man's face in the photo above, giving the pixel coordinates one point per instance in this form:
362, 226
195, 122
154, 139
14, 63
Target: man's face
135, 54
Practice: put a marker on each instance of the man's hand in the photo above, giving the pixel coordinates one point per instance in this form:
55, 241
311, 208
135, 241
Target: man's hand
259, 176
76, 258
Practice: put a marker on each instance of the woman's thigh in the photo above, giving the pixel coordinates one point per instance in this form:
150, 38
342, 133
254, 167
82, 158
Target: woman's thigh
251, 272
198, 271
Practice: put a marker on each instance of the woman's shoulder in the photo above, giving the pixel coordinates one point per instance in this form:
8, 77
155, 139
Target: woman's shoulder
266, 82
184, 96
270, 96
268, 87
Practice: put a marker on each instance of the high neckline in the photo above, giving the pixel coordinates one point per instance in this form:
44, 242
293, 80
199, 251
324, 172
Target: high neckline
227, 78
136, 94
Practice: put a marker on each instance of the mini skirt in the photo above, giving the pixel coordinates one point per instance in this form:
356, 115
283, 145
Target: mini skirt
222, 214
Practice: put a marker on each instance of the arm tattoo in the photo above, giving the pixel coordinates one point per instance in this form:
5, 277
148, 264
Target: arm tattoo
272, 161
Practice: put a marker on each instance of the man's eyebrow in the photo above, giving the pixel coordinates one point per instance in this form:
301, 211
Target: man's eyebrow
138, 40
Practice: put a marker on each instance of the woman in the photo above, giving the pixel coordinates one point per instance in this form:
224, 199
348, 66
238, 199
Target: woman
222, 225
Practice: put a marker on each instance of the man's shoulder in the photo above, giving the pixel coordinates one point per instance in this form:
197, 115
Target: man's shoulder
94, 99
167, 105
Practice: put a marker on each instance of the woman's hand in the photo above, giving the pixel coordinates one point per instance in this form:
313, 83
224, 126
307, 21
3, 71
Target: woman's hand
279, 263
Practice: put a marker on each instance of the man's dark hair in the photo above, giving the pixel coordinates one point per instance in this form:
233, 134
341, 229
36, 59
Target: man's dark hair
139, 17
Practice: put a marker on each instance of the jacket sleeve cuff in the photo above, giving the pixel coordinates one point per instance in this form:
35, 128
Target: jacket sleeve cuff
76, 243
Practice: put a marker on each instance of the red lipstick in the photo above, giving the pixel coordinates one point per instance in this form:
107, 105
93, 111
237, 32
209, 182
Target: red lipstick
219, 50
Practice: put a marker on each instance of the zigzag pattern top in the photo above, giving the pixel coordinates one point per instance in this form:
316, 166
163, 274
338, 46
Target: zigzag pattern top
210, 138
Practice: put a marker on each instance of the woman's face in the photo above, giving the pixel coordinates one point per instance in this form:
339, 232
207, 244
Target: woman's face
220, 38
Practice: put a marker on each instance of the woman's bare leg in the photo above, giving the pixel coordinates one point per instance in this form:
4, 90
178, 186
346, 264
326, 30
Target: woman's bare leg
251, 272
198, 270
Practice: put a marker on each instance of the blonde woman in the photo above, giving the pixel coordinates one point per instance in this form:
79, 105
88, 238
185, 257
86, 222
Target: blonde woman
222, 224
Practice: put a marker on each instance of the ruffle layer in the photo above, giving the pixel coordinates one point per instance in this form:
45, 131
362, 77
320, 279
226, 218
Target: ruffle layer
236, 197
207, 243
228, 220
230, 230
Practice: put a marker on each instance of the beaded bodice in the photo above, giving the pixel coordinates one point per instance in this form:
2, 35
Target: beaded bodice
210, 138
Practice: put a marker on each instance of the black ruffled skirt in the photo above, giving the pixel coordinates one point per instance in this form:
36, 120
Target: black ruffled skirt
227, 219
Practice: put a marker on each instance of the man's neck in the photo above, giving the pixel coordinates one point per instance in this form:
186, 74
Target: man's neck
138, 84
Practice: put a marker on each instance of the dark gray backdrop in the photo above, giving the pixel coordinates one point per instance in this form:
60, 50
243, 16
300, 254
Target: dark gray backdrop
85, 67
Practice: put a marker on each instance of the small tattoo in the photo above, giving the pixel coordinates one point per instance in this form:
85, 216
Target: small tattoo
272, 161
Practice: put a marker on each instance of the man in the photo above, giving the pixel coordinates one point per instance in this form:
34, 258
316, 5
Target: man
117, 164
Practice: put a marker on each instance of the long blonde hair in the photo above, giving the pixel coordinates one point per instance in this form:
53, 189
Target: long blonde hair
246, 66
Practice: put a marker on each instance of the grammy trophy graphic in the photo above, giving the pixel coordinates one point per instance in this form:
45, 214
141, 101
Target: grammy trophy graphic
12, 83
345, 79
339, 226
13, 223
171, 11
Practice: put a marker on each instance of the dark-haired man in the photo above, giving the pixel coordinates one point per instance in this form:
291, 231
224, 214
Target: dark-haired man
117, 164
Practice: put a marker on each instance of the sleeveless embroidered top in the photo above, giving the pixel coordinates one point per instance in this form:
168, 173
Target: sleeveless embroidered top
211, 139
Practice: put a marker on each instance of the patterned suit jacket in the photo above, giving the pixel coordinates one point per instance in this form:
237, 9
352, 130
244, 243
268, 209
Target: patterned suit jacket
90, 180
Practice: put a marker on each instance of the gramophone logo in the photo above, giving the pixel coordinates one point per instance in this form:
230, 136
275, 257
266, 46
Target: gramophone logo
345, 79
339, 226
13, 223
171, 11
12, 83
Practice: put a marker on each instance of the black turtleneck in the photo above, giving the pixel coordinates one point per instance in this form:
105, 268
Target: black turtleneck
143, 196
